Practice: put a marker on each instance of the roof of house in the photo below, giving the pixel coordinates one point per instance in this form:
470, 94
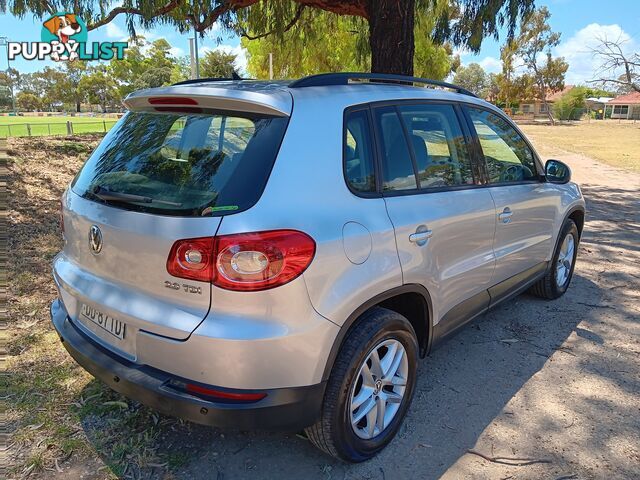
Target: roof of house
632, 98
553, 96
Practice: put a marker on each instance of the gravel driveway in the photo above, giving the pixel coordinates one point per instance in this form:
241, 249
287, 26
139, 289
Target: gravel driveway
551, 387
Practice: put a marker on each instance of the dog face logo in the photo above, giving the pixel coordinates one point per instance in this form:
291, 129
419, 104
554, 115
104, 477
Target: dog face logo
63, 36
64, 28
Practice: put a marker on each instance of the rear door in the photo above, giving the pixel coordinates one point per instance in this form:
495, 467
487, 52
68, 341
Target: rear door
444, 223
525, 204
156, 178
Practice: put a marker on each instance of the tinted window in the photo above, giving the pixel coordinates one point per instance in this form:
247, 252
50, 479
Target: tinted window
507, 155
439, 147
358, 157
397, 166
188, 165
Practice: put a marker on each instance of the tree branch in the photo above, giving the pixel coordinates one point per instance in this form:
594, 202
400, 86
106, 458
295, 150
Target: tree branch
131, 11
356, 8
288, 27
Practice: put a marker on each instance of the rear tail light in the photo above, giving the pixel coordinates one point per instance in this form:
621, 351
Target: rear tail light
246, 261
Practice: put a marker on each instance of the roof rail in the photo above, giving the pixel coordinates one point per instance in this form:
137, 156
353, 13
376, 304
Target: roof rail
211, 79
347, 78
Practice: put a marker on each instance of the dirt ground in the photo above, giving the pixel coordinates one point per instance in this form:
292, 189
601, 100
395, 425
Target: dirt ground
615, 142
546, 389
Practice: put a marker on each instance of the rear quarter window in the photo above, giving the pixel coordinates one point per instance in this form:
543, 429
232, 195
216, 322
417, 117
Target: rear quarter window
184, 165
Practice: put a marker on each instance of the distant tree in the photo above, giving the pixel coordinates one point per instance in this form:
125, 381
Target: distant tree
157, 66
533, 45
505, 80
28, 102
9, 83
492, 91
126, 71
69, 89
619, 68
45, 84
145, 65
218, 64
472, 77
181, 70
101, 88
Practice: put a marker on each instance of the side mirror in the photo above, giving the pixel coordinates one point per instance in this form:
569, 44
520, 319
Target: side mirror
557, 171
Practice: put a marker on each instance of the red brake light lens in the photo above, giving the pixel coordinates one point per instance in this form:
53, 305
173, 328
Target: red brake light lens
246, 261
172, 101
192, 259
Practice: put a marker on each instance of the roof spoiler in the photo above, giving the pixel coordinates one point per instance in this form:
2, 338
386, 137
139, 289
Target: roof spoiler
200, 99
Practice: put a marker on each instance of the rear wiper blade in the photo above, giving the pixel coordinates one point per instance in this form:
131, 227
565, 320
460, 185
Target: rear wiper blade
106, 194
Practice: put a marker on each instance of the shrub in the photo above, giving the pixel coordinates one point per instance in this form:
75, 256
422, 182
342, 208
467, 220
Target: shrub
571, 105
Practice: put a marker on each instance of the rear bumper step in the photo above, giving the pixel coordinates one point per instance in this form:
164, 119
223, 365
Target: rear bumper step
288, 409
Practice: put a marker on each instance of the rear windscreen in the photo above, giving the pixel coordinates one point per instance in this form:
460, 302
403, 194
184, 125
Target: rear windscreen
183, 164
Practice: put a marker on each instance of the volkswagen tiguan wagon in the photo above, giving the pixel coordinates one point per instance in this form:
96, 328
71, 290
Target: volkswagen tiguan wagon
279, 255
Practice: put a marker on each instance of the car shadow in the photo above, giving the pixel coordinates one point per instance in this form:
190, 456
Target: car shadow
462, 387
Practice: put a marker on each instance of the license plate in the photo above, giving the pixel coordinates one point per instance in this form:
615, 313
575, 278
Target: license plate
106, 322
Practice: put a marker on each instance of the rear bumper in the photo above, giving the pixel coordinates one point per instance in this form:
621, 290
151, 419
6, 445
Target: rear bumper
282, 409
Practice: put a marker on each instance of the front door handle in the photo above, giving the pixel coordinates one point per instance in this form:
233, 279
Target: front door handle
505, 216
420, 238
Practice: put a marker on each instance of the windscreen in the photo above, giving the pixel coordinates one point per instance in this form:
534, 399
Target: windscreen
183, 164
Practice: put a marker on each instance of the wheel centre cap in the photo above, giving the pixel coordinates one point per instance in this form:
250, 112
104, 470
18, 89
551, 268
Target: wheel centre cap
378, 387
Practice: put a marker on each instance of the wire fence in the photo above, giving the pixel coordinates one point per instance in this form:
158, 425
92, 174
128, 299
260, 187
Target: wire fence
57, 128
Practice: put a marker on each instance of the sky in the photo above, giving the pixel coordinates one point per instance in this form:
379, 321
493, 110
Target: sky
579, 21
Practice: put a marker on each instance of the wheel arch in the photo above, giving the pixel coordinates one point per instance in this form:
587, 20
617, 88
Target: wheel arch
577, 215
411, 301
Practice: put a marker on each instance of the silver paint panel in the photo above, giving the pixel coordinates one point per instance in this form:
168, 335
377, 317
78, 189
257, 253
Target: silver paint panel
457, 261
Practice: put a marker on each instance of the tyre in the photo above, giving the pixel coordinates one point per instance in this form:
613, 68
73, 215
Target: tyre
558, 277
370, 387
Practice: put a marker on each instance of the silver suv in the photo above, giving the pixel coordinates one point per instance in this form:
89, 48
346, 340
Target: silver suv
279, 255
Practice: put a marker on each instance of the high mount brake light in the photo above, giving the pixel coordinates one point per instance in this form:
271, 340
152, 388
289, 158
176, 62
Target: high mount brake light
245, 261
172, 101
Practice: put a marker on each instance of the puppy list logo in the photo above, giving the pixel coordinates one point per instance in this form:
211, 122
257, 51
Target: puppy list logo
64, 38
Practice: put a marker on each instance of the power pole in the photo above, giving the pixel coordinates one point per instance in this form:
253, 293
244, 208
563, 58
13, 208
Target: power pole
195, 41
192, 57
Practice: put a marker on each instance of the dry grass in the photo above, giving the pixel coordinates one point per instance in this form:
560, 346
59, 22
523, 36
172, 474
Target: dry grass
50, 399
617, 144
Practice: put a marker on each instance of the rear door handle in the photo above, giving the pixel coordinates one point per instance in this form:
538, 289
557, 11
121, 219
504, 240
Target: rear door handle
505, 216
420, 238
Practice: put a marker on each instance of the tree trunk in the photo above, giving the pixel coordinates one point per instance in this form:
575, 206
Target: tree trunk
391, 25
549, 113
78, 106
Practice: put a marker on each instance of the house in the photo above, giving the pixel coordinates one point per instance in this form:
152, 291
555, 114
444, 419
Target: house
537, 107
596, 105
624, 106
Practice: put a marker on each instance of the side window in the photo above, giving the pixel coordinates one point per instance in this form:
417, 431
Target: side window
358, 154
439, 147
507, 155
397, 166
